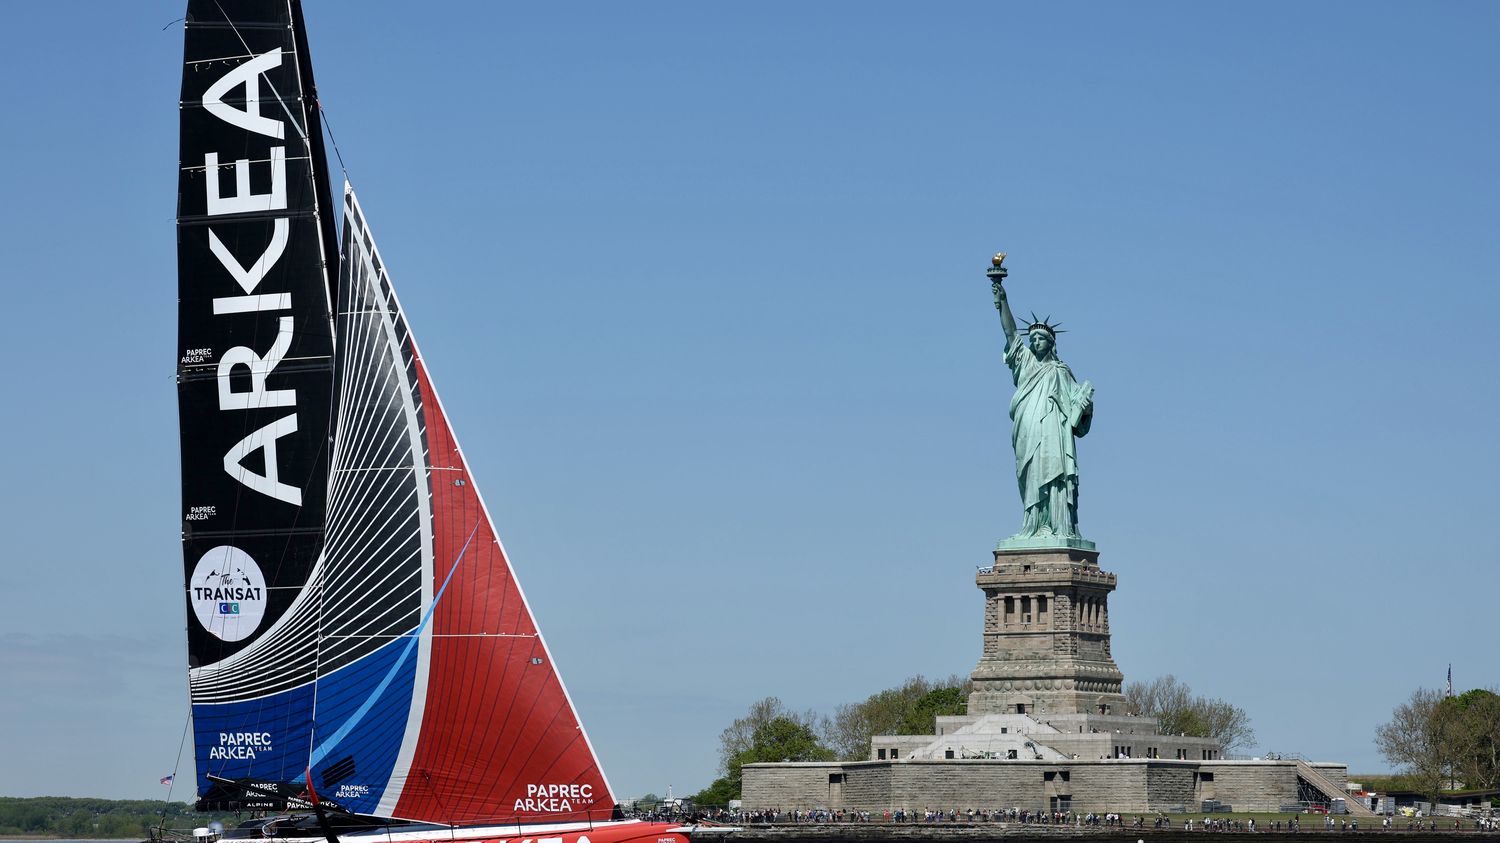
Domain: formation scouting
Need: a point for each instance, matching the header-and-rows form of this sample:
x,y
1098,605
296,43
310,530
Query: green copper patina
x,y
1047,412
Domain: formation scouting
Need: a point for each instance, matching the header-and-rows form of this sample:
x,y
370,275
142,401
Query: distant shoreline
x,y
52,839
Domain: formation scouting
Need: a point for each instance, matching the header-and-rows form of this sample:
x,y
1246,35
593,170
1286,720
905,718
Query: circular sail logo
x,y
228,593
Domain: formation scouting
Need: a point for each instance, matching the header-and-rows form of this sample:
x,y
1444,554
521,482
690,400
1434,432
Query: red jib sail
x,y
493,735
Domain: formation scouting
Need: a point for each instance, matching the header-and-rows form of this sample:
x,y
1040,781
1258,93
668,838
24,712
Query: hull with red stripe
x,y
625,831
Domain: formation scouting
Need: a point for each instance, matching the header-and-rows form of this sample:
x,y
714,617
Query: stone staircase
x,y
993,736
1331,789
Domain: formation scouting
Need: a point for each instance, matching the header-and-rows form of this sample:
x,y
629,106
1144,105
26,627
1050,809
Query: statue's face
x,y
1041,343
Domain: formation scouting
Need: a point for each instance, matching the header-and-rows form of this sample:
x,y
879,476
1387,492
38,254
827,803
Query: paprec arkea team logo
x,y
228,593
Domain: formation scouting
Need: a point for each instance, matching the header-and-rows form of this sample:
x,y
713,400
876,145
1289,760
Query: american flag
x,y
1450,679
168,779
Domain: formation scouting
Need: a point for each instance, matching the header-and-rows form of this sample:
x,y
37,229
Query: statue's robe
x,y
1048,409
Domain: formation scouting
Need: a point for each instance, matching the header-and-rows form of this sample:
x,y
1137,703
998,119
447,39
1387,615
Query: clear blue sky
x,y
702,285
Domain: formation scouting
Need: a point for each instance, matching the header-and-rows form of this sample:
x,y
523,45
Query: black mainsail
x,y
256,269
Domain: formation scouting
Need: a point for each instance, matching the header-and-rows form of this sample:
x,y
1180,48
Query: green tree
x,y
1472,728
907,709
59,816
1178,712
783,739
718,794
740,736
767,733
1414,741
78,824
939,702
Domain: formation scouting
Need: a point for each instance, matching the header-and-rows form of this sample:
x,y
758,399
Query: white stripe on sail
x,y
364,255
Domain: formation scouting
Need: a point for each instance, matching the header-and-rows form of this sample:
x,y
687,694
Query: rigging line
x,y
176,766
328,130
312,726
301,130
169,23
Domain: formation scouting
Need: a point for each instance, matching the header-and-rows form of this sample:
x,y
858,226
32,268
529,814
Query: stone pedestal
x,y
1046,636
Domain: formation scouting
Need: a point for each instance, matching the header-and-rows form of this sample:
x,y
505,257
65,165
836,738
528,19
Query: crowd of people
x,y
901,815
1058,818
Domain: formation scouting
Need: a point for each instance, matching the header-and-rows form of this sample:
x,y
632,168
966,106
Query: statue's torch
x,y
997,273
997,270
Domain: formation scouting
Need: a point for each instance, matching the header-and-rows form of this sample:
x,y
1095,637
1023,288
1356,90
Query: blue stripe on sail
x,y
345,696
265,739
403,664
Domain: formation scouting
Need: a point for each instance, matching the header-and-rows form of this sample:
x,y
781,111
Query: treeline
x,y
771,732
73,817
1442,742
1178,711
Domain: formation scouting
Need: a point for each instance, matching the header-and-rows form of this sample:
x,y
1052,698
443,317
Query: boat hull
x,y
625,831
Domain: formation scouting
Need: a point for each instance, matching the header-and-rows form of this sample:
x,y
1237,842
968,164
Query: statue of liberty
x,y
1048,410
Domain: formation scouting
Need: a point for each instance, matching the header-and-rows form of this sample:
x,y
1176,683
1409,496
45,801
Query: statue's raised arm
x,y
997,275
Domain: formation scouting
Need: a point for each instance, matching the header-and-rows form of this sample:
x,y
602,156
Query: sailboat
x,y
362,663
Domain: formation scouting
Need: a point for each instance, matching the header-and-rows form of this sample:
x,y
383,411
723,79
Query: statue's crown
x,y
1053,328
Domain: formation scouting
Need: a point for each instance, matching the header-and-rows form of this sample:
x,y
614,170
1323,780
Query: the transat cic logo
x,y
228,593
